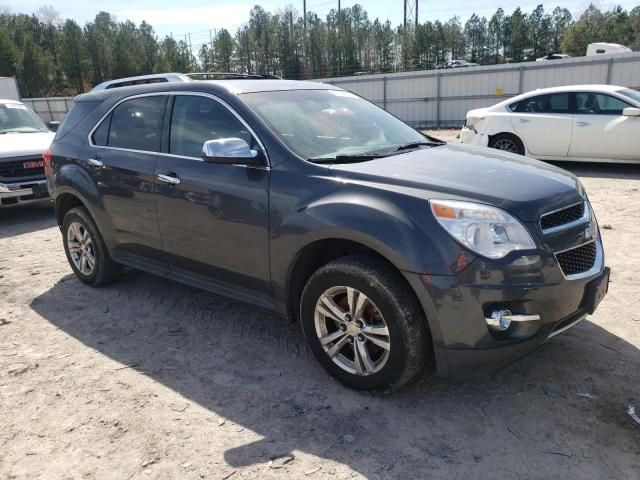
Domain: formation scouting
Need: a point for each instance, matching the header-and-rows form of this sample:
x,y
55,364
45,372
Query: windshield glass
x,y
16,118
325,124
633,94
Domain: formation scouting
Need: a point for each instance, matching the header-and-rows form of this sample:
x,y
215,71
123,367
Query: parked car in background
x,y
599,123
395,251
601,48
456,64
553,56
23,139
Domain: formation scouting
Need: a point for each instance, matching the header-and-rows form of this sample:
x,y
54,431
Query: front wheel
x,y
364,325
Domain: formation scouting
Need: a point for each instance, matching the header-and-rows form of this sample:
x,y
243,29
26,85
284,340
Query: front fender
x,y
397,226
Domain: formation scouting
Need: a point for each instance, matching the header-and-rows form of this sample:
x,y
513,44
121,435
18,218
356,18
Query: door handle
x,y
582,124
173,179
524,120
96,162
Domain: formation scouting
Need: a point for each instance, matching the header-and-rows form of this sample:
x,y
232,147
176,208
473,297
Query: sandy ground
x,y
151,379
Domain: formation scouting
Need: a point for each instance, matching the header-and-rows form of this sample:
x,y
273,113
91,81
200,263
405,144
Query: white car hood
x,y
24,144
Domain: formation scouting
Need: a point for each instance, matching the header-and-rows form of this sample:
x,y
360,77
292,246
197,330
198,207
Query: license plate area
x,y
596,290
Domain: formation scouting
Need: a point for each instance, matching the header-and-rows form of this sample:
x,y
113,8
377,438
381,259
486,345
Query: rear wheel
x,y
508,143
85,249
364,325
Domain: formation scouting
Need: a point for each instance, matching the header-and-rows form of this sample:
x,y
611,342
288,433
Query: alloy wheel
x,y
81,249
352,331
507,145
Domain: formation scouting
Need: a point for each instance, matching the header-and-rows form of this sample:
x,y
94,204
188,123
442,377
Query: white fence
x,y
50,108
441,98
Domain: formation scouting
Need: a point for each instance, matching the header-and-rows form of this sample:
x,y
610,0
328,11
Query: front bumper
x,y
457,308
23,192
471,137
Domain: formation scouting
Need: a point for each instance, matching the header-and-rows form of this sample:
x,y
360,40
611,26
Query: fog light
x,y
499,320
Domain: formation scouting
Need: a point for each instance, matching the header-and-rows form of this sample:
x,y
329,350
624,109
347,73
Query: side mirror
x,y
230,151
53,126
631,112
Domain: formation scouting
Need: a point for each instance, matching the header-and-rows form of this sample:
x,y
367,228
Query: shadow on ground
x,y
622,171
558,413
25,219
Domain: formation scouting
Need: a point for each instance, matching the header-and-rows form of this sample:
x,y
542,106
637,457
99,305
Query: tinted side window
x,y
599,104
101,133
136,124
552,103
197,119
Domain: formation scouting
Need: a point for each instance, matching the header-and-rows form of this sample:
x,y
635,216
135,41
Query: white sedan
x,y
591,123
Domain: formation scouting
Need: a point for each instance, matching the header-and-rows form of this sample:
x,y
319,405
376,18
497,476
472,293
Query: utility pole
x,y
410,13
304,10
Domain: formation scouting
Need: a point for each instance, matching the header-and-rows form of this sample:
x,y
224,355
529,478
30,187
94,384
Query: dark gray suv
x,y
396,252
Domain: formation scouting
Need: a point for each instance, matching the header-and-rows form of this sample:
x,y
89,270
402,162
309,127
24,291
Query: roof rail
x,y
230,76
179,77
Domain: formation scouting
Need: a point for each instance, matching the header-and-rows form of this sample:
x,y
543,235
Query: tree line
x,y
52,56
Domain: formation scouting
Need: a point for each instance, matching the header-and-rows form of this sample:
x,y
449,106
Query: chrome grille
x,y
563,217
578,260
15,168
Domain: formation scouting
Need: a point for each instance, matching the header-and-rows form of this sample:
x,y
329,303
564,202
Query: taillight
x,y
46,158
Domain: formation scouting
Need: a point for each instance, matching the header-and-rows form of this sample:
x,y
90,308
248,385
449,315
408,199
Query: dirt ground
x,y
151,379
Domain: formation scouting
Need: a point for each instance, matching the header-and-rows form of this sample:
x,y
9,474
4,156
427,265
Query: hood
x,y
523,186
24,144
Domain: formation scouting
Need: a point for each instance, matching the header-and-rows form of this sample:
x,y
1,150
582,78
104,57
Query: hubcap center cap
x,y
352,329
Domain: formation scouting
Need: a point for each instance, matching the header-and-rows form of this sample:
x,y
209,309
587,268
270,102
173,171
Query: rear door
x,y
601,131
544,122
121,158
213,218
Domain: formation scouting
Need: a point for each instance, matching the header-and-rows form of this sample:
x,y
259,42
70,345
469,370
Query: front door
x,y
601,131
121,158
213,218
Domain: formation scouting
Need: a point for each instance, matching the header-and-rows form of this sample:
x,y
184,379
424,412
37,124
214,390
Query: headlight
x,y
486,230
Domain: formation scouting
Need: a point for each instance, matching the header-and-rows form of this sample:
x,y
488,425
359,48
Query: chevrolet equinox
x,y
396,252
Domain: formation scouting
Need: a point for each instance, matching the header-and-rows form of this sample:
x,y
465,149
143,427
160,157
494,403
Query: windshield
x,y
632,94
16,118
326,124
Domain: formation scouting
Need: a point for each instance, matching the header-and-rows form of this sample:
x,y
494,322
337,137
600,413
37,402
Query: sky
x,y
197,17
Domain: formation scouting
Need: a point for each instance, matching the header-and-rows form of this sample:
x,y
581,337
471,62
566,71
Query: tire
x,y
508,143
81,237
389,303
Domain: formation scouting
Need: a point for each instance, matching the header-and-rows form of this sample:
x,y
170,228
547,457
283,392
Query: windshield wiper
x,y
412,145
19,131
350,158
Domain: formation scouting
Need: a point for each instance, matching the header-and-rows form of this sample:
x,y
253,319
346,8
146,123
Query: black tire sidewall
x,y
393,369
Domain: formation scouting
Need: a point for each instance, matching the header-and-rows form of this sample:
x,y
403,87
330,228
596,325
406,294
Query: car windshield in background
x,y
632,94
16,118
333,125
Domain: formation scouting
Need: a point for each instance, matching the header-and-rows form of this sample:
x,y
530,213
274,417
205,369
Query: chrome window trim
x,y
168,154
598,264
99,122
586,217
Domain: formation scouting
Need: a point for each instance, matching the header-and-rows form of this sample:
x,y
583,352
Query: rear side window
x,y
551,103
78,112
101,134
588,103
136,124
